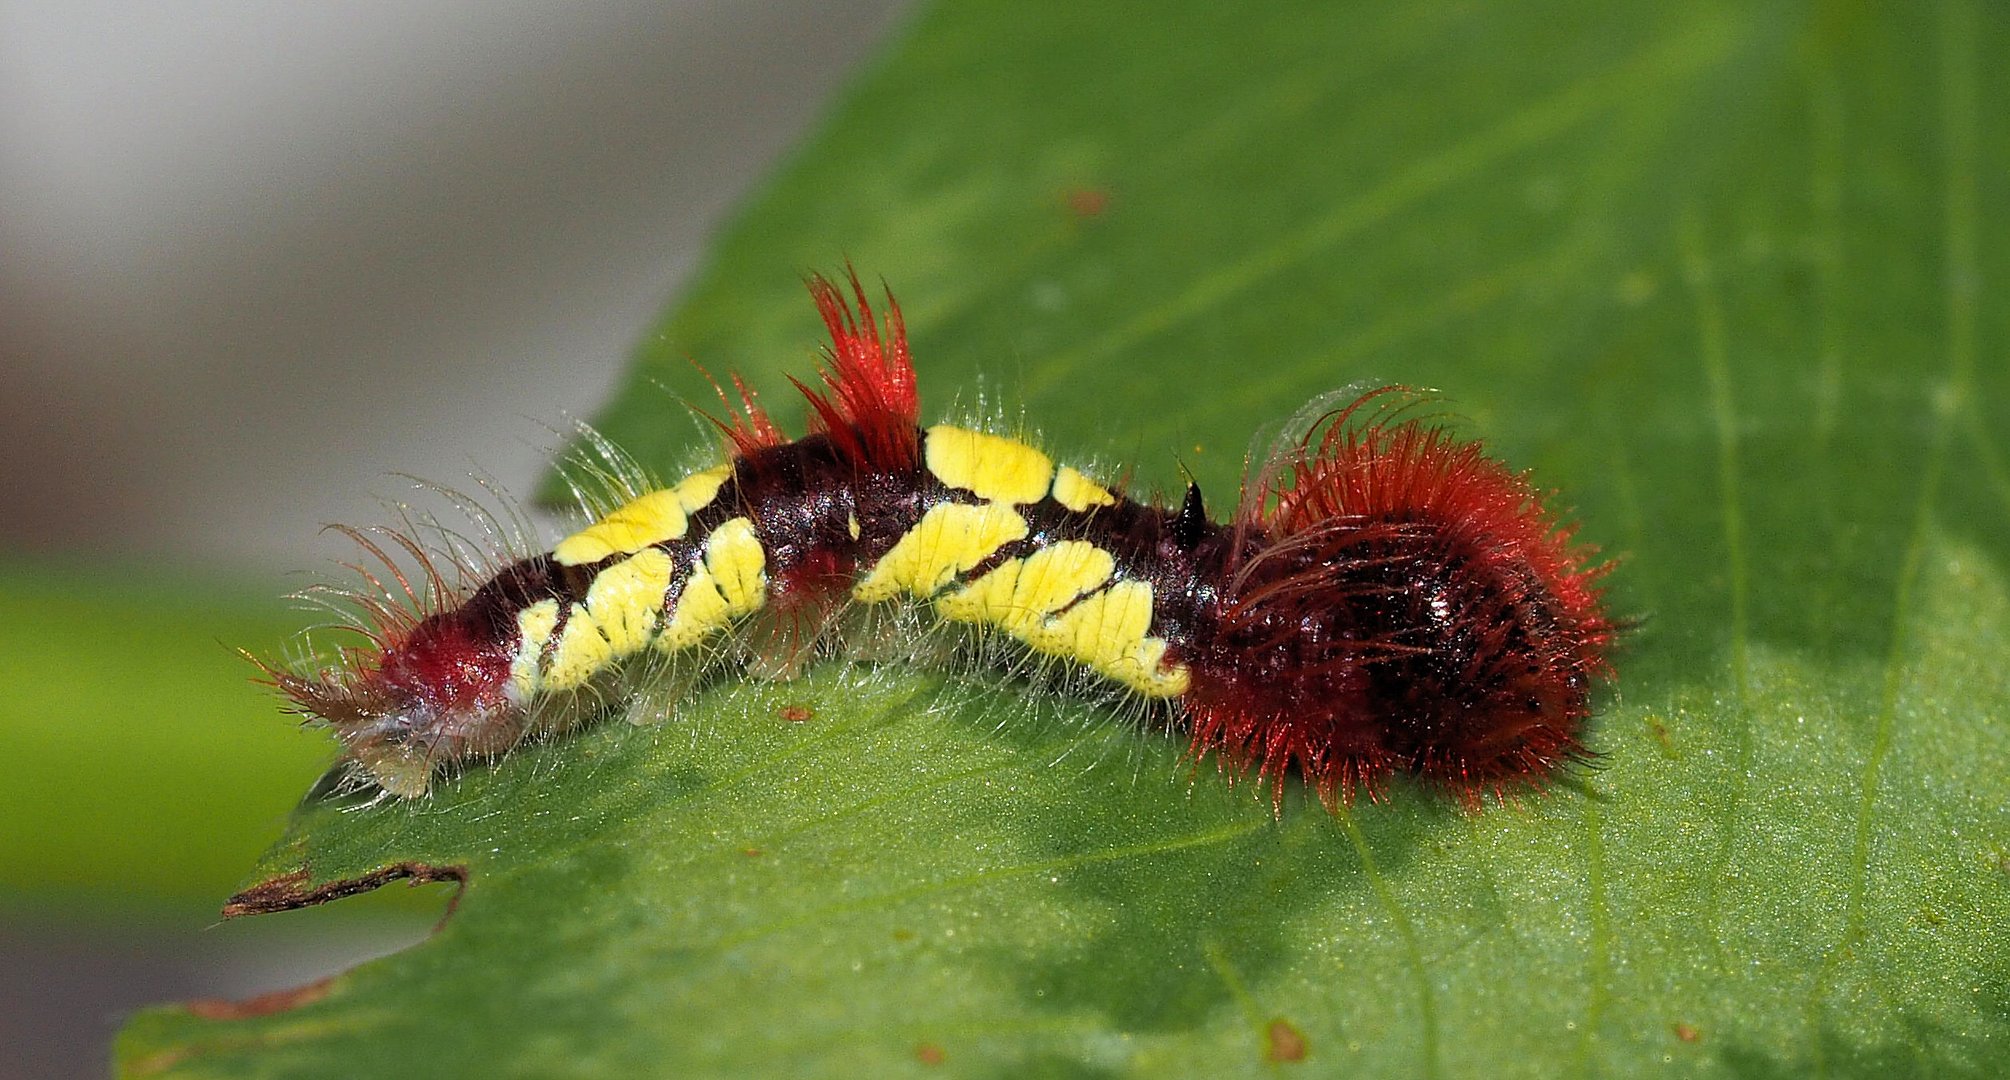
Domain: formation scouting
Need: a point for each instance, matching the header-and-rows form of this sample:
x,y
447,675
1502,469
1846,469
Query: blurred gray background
x,y
255,257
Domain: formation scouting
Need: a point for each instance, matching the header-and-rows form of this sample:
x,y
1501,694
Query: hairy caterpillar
x,y
1385,599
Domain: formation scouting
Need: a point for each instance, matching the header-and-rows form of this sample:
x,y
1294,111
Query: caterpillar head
x,y
426,695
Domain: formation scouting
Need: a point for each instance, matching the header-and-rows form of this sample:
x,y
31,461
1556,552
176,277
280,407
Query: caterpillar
x,y
1385,599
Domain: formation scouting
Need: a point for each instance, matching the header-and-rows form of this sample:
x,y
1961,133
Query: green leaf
x,y
1718,272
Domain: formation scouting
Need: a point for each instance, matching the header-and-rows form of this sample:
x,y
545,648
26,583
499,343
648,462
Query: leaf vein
x,y
1427,1008
1959,119
1714,355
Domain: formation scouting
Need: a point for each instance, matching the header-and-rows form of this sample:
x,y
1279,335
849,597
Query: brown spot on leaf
x,y
290,891
1661,736
1688,1033
751,853
1087,202
261,1005
929,1054
1282,1042
796,714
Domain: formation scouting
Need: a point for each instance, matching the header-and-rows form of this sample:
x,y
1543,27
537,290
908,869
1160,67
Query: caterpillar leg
x,y
400,770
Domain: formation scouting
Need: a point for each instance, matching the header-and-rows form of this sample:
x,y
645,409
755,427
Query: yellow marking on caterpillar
x,y
728,582
700,612
1106,631
696,491
1145,671
1078,492
648,519
949,540
736,560
997,469
533,626
627,599
582,651
1021,593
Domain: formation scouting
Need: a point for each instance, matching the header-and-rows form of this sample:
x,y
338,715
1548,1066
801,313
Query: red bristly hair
x,y
1469,630
870,407
748,427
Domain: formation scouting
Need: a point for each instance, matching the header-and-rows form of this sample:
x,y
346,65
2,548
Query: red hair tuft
x,y
870,407
1406,603
748,427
